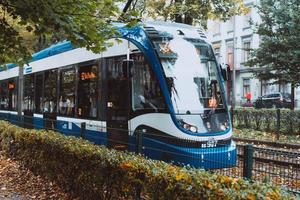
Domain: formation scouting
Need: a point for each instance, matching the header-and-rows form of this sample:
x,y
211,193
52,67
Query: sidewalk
x,y
17,183
6,196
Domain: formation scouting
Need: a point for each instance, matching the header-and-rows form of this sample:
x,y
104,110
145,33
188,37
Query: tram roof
x,y
50,51
151,27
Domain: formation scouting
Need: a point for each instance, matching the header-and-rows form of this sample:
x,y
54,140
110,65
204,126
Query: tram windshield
x,y
191,72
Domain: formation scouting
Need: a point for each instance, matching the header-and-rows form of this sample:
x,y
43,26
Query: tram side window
x,y
87,92
39,92
117,84
50,91
12,95
114,68
4,96
28,100
146,91
67,92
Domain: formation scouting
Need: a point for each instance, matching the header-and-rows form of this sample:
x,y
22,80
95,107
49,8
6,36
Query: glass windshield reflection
x,y
191,73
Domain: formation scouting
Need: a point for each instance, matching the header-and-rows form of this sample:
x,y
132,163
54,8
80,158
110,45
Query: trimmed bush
x,y
94,172
266,120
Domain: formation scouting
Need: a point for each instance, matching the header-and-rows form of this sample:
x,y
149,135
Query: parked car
x,y
274,100
247,105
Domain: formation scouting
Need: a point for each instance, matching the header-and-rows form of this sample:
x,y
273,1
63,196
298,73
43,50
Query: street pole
x,y
127,5
20,94
233,102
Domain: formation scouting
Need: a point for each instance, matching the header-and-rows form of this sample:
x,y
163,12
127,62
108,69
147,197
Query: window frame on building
x,y
246,20
230,54
246,86
246,49
217,50
216,28
230,25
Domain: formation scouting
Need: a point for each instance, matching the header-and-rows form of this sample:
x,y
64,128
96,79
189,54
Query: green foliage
x,y
94,172
278,55
264,135
266,120
190,11
84,23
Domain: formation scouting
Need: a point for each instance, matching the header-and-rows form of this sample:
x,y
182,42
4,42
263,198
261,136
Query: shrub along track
x,y
94,172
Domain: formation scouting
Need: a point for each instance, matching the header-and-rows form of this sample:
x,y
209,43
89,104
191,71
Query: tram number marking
x,y
210,143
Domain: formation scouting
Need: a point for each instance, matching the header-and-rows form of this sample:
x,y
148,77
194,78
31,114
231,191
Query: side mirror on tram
x,y
226,72
127,66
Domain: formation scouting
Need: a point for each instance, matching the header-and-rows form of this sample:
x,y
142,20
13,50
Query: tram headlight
x,y
193,129
223,126
208,126
189,127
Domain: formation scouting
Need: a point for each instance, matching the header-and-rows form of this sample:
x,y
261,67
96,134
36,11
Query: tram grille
x,y
200,31
152,32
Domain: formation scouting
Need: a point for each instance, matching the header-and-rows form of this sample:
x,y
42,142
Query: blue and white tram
x,y
159,85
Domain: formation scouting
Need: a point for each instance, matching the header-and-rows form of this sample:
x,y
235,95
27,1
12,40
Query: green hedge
x,y
94,172
266,120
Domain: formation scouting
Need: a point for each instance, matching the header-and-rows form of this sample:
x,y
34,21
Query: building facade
x,y
232,41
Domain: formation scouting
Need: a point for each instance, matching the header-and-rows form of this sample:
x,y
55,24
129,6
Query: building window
x,y
246,86
246,20
67,92
229,54
266,88
246,50
87,91
217,54
216,28
230,25
217,49
283,87
50,91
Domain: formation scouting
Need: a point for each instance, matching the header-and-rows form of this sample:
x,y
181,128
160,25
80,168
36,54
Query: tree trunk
x,y
293,96
188,20
126,7
178,17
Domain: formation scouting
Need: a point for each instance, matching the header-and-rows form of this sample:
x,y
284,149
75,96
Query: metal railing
x,y
281,167
280,121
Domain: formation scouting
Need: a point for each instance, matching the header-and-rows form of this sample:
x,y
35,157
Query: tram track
x,y
271,144
278,162
273,158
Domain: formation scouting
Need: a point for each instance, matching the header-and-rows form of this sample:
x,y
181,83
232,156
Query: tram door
x,y
118,104
28,101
